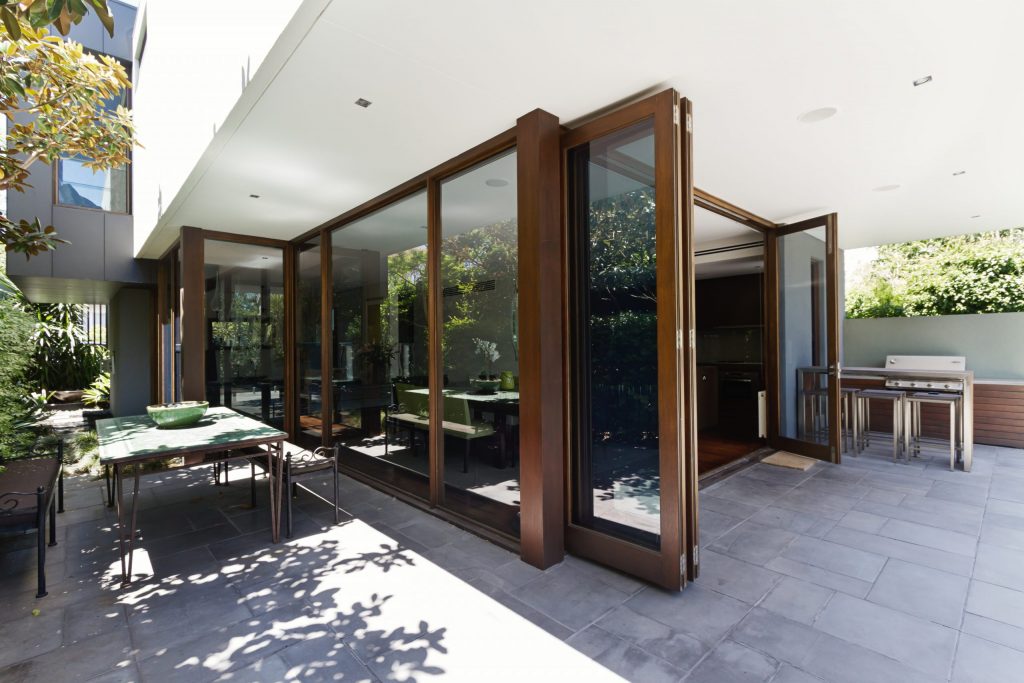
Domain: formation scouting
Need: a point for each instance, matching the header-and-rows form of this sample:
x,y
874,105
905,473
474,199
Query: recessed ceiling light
x,y
959,172
495,182
265,258
363,103
815,115
255,196
887,188
977,215
922,80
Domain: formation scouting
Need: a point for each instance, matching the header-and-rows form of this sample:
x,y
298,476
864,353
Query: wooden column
x,y
541,334
193,340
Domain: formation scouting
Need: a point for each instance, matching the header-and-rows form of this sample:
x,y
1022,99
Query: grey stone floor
x,y
869,571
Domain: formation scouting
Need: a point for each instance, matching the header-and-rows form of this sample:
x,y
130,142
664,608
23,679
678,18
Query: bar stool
x,y
897,398
815,400
912,420
849,397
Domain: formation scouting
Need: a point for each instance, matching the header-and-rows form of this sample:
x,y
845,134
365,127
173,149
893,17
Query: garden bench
x,y
29,488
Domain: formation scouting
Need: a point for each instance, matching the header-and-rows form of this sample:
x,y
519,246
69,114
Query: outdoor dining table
x,y
135,440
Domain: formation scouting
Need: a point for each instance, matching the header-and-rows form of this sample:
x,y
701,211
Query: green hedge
x,y
16,433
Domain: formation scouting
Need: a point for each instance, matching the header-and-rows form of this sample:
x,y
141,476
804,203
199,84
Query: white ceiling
x,y
443,78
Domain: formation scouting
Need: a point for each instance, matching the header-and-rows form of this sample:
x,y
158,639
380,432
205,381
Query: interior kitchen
x,y
729,296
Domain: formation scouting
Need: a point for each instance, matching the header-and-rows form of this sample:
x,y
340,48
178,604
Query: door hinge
x,y
696,555
675,114
689,123
679,340
693,338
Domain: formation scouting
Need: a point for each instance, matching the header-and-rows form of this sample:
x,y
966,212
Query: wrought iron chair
x,y
38,489
301,464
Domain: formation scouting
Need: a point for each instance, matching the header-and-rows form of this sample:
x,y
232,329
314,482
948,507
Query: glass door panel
x,y
244,309
806,341
624,213
619,489
480,345
379,354
308,295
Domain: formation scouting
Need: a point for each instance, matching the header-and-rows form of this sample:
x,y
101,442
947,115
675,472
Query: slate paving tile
x,y
884,496
980,661
797,521
862,521
714,524
1001,566
679,649
776,636
750,492
917,643
791,674
839,661
698,612
78,662
1007,489
827,505
994,631
1007,537
921,591
996,602
837,558
950,521
735,578
623,657
819,576
959,492
731,662
753,542
30,636
903,550
570,598
797,599
710,501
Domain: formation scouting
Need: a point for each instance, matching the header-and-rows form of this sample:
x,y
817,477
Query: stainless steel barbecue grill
x,y
946,375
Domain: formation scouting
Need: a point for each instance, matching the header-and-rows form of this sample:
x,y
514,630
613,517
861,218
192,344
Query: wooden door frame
x,y
830,452
666,566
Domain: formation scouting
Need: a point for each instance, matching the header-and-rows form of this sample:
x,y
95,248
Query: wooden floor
x,y
715,450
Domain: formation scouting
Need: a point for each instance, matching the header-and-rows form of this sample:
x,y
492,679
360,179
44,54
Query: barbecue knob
x,y
930,385
947,386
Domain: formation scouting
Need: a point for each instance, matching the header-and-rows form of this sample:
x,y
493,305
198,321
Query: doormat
x,y
791,460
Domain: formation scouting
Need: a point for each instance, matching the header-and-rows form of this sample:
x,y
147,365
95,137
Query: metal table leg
x,y
125,538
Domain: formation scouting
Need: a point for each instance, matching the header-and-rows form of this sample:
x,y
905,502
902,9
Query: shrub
x,y
16,416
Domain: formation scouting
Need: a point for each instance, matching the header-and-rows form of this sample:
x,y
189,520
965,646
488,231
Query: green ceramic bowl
x,y
177,414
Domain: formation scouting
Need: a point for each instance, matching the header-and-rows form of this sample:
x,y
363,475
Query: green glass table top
x,y
137,436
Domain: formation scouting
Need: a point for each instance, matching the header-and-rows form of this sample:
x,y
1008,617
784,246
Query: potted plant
x,y
487,382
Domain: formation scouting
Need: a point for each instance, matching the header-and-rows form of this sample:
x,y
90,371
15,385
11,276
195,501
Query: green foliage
x,y
16,416
982,273
56,97
98,393
61,357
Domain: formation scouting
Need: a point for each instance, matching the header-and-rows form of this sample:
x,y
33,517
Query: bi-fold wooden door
x,y
631,498
802,268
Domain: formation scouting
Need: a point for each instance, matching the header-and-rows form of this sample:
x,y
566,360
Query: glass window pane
x,y
307,342
379,344
245,329
479,268
81,186
803,336
615,458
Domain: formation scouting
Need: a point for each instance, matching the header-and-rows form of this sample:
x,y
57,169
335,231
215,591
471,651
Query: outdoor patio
x,y
869,571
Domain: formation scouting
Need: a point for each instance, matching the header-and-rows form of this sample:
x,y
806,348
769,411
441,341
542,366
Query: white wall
x,y
198,59
993,343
